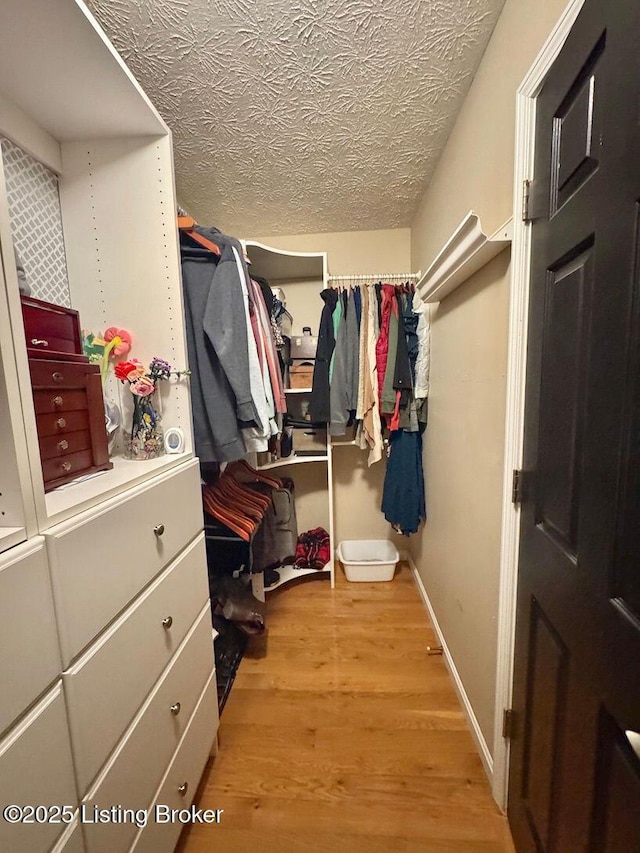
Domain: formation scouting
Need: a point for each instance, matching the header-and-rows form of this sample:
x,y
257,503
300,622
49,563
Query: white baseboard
x,y
481,743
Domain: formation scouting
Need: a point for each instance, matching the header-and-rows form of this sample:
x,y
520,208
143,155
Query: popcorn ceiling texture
x,y
302,116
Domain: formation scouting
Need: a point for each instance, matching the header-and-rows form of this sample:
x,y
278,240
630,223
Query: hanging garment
x,y
353,353
386,292
371,423
337,320
388,399
320,402
220,383
344,384
363,360
266,330
403,498
255,436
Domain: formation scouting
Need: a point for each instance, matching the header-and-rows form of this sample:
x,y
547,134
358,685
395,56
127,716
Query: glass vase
x,y
143,436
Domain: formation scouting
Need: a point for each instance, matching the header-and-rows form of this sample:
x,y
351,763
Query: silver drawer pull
x,y
57,401
61,423
167,622
158,529
37,342
57,377
66,467
182,789
175,709
63,445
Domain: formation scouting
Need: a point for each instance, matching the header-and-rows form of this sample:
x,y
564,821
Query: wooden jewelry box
x,y
67,395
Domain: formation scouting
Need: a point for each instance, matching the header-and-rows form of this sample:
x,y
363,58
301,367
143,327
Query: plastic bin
x,y
367,560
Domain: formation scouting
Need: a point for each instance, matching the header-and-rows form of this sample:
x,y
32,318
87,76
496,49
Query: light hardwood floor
x,y
346,737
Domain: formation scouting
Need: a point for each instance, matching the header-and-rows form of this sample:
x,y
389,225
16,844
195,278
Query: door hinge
x,y
526,195
516,487
508,721
533,204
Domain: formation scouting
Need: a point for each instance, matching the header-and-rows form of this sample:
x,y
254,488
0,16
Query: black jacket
x,y
320,402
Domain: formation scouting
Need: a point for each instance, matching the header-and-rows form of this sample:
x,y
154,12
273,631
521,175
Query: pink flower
x,y
121,340
137,371
142,387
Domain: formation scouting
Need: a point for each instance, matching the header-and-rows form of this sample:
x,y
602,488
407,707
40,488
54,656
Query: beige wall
x,y
458,552
358,488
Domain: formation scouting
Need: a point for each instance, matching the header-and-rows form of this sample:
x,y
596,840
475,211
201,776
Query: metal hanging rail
x,y
396,276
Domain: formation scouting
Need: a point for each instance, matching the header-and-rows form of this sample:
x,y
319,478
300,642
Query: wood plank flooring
x,y
345,736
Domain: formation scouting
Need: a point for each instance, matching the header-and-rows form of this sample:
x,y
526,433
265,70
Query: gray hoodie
x,y
218,349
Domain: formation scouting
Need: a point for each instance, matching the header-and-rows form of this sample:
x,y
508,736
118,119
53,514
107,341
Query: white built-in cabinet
x,y
107,680
301,275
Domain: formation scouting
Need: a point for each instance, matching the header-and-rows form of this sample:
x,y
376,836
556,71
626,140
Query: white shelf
x,y
465,252
297,390
79,495
291,460
103,101
290,573
10,536
279,265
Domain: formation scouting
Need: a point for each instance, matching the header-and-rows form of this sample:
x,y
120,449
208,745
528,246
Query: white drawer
x,y
186,768
101,559
71,841
36,770
134,772
108,684
30,659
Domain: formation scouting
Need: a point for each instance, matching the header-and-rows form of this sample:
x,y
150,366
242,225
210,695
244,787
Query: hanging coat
x,y
320,402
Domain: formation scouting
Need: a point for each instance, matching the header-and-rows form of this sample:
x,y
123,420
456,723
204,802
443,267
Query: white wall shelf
x,y
465,252
301,275
290,573
292,460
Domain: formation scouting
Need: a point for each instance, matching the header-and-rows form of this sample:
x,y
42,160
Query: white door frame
x,y
514,424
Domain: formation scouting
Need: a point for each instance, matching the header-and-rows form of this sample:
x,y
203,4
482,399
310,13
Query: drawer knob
x,y
38,342
158,529
63,445
66,467
61,423
167,622
57,377
175,709
182,789
57,401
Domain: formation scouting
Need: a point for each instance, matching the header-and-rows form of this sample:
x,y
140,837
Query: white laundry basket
x,y
367,560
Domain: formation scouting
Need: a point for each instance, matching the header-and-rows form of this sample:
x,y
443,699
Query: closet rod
x,y
396,276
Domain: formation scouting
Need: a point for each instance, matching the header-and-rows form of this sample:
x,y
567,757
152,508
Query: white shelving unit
x,y
301,276
103,582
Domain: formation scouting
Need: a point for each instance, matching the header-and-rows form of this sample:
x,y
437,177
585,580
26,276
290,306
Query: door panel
x,y
576,132
574,781
564,349
616,824
546,688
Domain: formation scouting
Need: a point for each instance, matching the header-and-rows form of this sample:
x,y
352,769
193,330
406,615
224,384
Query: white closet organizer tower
x,y
301,276
106,658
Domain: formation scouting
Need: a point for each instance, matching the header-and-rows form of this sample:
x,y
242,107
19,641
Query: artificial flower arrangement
x,y
145,441
101,349
114,343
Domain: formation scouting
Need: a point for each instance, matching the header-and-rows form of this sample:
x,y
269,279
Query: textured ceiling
x,y
299,116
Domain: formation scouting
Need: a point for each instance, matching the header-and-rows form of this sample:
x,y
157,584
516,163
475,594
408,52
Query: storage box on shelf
x,y
301,277
121,586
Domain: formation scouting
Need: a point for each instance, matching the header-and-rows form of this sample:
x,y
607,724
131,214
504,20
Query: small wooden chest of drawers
x,y
51,331
69,418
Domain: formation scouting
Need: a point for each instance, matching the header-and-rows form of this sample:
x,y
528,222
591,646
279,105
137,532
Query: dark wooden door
x,y
574,784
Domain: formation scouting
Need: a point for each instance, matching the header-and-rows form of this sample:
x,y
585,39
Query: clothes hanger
x,y
187,224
